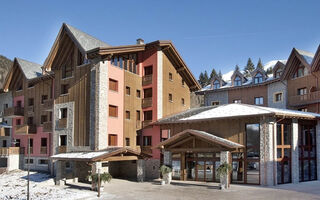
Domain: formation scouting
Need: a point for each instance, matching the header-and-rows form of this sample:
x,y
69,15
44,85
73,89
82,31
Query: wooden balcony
x,y
146,123
25,129
47,105
299,100
4,132
6,151
13,112
146,150
62,149
43,150
62,123
47,127
147,80
30,109
147,102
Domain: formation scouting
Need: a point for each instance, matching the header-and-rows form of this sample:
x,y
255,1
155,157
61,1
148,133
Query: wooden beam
x,y
176,150
181,142
120,158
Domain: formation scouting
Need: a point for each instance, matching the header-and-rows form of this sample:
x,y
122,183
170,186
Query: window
x,y
44,98
127,141
113,85
63,140
63,113
258,100
113,111
7,131
302,91
183,83
50,116
303,109
237,101
278,97
148,70
18,121
30,102
138,140
4,143
43,142
138,94
253,153
17,142
278,73
5,106
68,165
43,162
215,103
127,114
67,70
147,115
170,77
64,88
138,117
147,140
44,118
30,120
216,84
237,81
27,160
182,101
112,140
299,72
170,98
19,104
147,93
127,90
258,78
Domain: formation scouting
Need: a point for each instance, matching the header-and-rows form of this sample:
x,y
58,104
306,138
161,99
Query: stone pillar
x,y
60,169
225,179
141,170
295,152
267,156
167,158
94,170
318,148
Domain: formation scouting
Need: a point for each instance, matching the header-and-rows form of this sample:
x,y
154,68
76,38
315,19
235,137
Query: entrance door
x,y
191,170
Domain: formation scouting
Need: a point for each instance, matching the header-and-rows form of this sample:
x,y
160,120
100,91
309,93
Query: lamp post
x,y
28,184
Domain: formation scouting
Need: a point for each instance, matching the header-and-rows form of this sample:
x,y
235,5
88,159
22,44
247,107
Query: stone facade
x,y
35,165
274,88
295,152
224,179
221,97
152,168
5,99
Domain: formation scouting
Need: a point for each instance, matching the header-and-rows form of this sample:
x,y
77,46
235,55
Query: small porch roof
x,y
108,154
201,134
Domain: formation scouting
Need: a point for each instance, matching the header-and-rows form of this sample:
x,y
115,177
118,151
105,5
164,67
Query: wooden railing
x,y
147,102
146,150
13,111
4,132
146,123
48,104
32,129
25,129
62,123
43,150
297,100
62,149
147,80
47,127
6,151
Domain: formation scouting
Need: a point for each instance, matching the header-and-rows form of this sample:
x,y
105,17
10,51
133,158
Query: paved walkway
x,y
124,190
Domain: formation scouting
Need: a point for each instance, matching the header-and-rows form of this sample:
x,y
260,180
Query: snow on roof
x,y
272,63
84,155
236,110
308,56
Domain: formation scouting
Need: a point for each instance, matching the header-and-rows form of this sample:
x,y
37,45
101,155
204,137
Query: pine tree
x,y
201,79
248,68
237,68
213,74
260,65
206,78
269,70
220,74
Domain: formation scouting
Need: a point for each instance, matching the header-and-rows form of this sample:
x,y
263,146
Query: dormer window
x,y
299,72
278,73
237,81
216,84
258,78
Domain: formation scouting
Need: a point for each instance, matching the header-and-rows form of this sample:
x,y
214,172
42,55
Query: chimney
x,y
140,41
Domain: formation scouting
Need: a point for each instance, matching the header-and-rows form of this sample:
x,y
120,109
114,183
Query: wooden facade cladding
x,y
176,88
78,90
247,95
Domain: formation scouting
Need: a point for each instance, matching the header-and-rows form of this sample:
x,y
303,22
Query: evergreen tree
x,y
237,68
248,68
206,78
220,74
213,73
201,79
260,65
269,70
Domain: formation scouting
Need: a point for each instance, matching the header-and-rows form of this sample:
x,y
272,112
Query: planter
x,y
167,178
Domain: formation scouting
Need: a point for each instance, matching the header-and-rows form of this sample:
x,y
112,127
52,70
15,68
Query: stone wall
x,y
221,96
277,87
196,100
152,167
35,165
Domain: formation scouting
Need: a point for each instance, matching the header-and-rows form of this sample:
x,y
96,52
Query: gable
x,y
316,61
14,77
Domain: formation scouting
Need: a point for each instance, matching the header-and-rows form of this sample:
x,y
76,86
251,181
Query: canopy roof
x,y
200,134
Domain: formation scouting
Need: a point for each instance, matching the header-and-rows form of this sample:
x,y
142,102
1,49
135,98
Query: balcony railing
x,y
4,132
298,100
43,150
147,102
146,150
62,149
13,112
25,129
6,151
62,123
48,104
147,80
47,127
146,123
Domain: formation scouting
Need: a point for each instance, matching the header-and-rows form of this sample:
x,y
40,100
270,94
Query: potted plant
x,y
166,173
223,171
104,177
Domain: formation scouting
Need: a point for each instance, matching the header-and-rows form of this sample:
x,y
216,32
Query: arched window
x,y
258,78
237,81
216,84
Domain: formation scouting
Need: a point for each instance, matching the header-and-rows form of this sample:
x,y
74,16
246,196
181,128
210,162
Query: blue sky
x,y
207,34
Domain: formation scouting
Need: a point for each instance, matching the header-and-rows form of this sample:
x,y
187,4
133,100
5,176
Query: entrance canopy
x,y
108,154
195,140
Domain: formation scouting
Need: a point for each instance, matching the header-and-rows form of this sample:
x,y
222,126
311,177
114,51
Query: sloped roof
x,y
202,134
236,110
86,41
30,69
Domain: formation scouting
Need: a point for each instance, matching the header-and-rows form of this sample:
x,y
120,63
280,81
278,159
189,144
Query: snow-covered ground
x,y
13,185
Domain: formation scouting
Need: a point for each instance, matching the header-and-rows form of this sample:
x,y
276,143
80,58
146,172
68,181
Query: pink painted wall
x,y
36,137
155,133
116,124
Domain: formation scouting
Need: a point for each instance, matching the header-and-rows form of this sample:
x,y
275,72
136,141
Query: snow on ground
x,y
13,185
